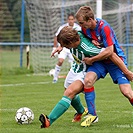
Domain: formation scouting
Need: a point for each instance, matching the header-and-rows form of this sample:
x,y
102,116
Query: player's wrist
x,y
54,48
126,72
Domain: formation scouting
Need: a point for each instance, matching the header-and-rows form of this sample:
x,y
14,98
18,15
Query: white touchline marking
x,y
21,84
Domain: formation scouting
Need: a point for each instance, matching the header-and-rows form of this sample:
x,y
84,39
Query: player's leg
x,y
57,69
90,101
61,57
72,92
90,92
80,109
76,103
57,111
119,78
63,104
127,92
94,72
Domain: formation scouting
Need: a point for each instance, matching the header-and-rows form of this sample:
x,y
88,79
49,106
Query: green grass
x,y
19,88
39,94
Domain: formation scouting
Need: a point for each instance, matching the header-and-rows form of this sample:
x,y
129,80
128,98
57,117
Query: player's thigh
x,y
74,88
99,69
72,76
69,79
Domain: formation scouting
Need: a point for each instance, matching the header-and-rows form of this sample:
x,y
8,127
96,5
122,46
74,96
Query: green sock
x,y
77,105
59,109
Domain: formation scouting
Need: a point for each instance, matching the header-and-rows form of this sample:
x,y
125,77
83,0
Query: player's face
x,y
85,24
73,45
71,20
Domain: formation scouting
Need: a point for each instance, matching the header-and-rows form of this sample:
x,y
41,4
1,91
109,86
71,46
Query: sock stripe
x,y
89,89
66,100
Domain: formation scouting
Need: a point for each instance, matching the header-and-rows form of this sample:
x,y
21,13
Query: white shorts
x,y
66,53
72,76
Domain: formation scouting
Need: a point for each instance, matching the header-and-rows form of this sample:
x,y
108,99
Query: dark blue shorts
x,y
101,69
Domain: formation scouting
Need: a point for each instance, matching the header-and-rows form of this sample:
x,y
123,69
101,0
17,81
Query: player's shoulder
x,y
81,34
76,24
77,27
63,25
102,23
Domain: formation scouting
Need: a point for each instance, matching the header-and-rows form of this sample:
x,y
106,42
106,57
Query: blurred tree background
x,y
10,22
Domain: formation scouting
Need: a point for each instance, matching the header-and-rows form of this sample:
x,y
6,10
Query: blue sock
x,y
90,101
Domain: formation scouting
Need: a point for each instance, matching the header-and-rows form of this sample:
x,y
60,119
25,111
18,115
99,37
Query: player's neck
x,y
71,25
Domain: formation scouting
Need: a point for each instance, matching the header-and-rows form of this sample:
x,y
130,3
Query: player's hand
x,y
56,51
96,43
55,54
129,75
88,61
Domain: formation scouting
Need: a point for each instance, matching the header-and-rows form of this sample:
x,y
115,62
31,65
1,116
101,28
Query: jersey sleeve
x,y
93,51
58,31
88,47
77,27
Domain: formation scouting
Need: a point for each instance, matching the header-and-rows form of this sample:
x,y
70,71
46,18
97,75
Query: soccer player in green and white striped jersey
x,y
80,47
84,49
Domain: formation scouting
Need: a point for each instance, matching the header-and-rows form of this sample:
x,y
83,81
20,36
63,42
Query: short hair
x,y
67,36
85,12
70,14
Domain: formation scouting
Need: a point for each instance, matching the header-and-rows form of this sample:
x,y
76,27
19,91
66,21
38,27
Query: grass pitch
x,y
20,88
39,94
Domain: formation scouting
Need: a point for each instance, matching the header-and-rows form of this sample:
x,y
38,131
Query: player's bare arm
x,y
55,46
55,41
57,50
108,51
114,58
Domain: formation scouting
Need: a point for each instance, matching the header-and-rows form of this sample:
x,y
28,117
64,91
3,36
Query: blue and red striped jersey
x,y
104,34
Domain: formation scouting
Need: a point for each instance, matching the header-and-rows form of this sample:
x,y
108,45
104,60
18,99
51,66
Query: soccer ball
x,y
52,72
24,115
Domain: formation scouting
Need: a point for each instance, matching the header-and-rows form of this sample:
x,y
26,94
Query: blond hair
x,y
85,12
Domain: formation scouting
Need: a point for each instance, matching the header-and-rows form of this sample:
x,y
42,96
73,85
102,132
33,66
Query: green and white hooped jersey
x,y
84,49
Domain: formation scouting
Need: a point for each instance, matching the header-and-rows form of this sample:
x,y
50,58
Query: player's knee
x,y
60,62
88,82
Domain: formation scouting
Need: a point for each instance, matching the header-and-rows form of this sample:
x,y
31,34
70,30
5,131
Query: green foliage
x,y
11,22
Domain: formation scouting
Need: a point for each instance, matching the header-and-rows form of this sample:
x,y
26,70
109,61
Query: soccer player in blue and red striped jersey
x,y
99,30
